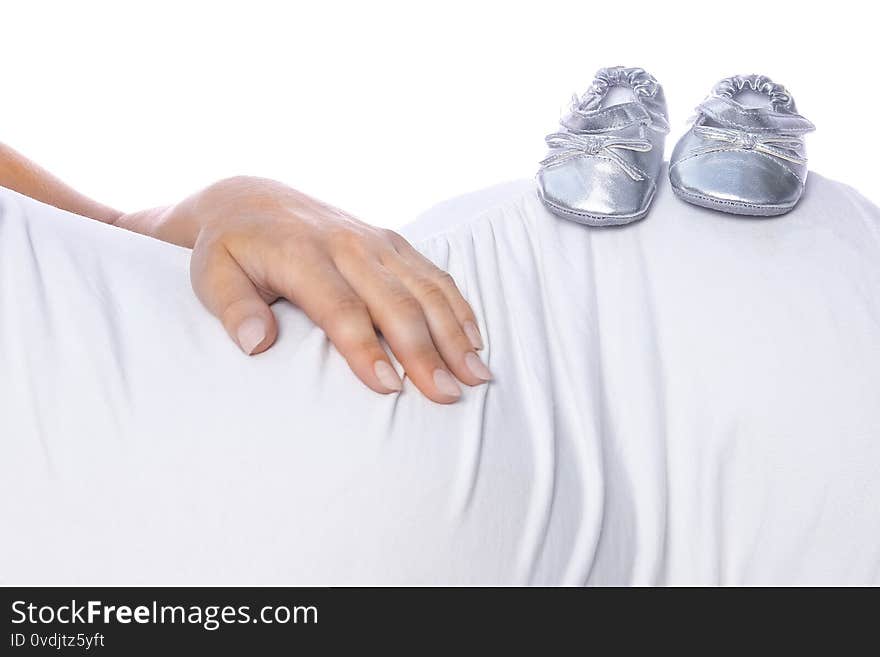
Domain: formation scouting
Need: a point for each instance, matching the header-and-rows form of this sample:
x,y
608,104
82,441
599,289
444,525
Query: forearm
x,y
25,177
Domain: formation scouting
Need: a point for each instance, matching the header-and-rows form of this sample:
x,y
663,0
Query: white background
x,y
385,108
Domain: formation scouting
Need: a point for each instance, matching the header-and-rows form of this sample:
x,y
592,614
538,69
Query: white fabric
x,y
692,399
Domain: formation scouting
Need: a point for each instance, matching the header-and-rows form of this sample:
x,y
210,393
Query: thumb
x,y
229,294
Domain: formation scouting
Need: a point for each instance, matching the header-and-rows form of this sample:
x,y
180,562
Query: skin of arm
x,y
25,177
257,240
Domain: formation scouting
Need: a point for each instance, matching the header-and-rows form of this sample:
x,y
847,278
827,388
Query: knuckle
x,y
431,293
423,352
452,340
359,345
351,243
348,307
406,305
349,334
343,312
395,238
444,279
236,181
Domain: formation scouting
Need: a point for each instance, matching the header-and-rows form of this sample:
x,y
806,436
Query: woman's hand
x,y
256,240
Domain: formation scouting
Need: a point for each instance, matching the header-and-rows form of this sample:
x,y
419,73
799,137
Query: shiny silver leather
x,y
742,159
603,163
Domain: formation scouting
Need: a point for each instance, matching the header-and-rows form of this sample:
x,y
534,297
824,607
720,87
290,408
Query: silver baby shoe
x,y
603,163
745,152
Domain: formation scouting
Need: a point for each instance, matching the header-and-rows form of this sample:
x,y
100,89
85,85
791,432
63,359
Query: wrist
x,y
177,224
159,223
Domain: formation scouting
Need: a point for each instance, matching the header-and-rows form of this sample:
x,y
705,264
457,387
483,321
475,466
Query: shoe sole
x,y
732,207
597,220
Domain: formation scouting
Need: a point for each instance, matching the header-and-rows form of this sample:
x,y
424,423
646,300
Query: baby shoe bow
x,y
785,147
566,145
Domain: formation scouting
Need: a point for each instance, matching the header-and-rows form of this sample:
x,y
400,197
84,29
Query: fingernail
x,y
387,376
477,367
446,384
251,332
473,334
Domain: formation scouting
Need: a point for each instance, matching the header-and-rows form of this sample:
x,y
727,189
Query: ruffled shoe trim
x,y
781,116
780,99
648,93
640,81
